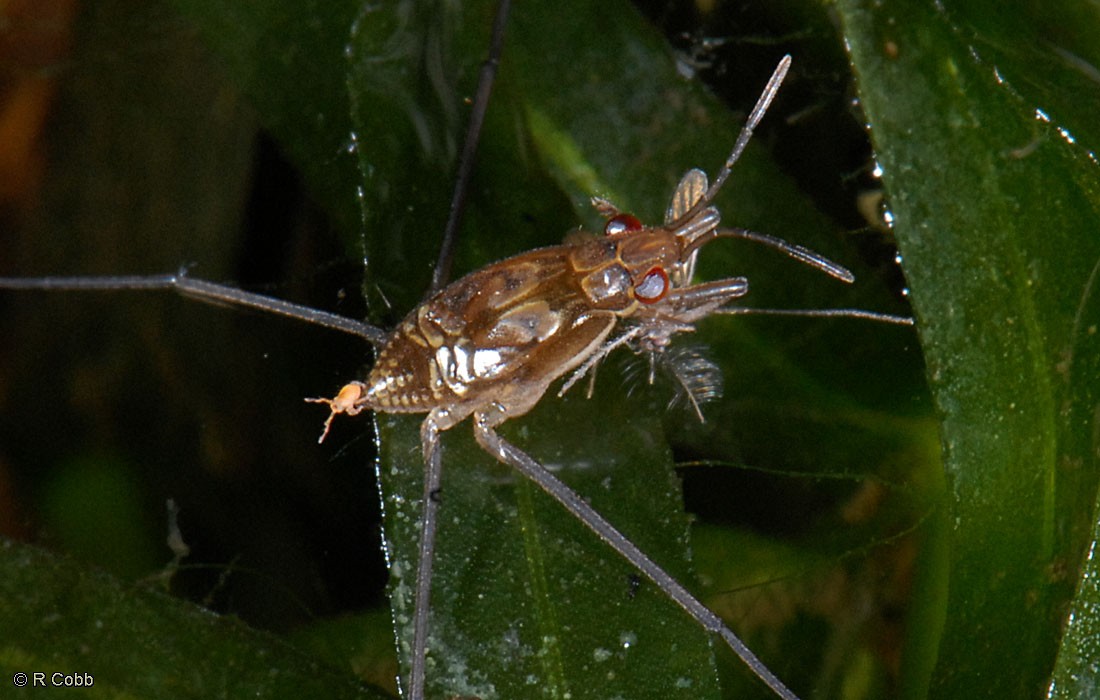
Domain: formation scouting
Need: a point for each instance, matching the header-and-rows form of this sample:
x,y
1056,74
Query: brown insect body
x,y
498,337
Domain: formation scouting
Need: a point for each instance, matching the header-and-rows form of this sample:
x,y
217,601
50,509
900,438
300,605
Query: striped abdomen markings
x,y
470,335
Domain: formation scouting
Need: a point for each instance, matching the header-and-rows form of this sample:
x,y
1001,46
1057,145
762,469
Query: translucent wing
x,y
693,185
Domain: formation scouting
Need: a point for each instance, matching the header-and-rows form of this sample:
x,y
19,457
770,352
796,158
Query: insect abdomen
x,y
406,377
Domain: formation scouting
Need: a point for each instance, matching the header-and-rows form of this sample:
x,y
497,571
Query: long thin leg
x,y
429,430
485,79
204,291
433,471
512,455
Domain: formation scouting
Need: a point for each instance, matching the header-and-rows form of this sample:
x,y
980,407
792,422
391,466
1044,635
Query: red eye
x,y
653,287
621,223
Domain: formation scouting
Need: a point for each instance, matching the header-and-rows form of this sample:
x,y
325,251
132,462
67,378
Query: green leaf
x,y
77,622
525,595
982,124
1076,671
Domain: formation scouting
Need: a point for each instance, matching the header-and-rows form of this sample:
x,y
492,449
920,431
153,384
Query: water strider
x,y
547,314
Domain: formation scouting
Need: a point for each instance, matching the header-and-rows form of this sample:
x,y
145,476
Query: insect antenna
x,y
803,255
799,253
808,257
762,104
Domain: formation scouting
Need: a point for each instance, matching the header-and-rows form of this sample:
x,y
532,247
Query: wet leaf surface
x,y
990,168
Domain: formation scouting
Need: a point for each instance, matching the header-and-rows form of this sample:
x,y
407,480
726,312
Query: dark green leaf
x,y
984,123
132,642
1077,671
